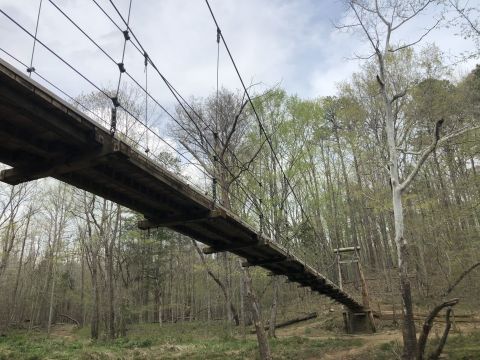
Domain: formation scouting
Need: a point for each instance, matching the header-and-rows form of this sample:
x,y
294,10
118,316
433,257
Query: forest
x,y
390,163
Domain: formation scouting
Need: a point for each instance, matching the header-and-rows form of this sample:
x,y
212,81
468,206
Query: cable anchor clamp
x,y
121,67
113,121
126,35
219,34
145,55
115,102
260,216
30,69
214,190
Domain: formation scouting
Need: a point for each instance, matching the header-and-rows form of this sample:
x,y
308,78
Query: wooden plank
x,y
23,141
352,261
346,249
274,260
61,166
216,249
169,221
47,116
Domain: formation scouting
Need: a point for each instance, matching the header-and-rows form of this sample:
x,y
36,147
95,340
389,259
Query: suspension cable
x,y
55,54
31,69
147,150
148,60
175,92
259,120
121,68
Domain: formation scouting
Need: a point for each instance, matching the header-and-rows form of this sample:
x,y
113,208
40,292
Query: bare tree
x,y
469,20
10,215
378,21
213,133
58,209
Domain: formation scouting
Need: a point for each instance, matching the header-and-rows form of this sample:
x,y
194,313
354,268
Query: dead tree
x,y
427,326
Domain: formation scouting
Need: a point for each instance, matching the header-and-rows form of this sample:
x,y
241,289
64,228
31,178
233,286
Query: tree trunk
x,y
231,307
409,331
95,300
273,310
427,326
52,298
263,345
20,264
438,351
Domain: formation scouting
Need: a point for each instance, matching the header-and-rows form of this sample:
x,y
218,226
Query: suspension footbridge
x,y
43,135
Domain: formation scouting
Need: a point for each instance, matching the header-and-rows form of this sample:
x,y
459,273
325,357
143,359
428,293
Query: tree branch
x,y
436,142
375,46
423,157
398,96
457,133
377,9
418,40
427,326
234,127
465,16
460,278
436,354
414,13
200,161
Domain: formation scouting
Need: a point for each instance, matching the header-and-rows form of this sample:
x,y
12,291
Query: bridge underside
x,y
43,136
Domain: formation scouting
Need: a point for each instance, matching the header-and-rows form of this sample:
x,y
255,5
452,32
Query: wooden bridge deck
x,y
41,135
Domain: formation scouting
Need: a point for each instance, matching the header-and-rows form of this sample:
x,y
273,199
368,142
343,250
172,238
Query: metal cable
x,y
104,93
30,69
258,118
174,92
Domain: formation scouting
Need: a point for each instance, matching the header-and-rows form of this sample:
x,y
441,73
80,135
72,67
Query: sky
x,y
293,44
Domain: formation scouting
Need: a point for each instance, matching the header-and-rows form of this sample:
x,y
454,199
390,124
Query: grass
x,y
462,347
151,341
458,347
197,341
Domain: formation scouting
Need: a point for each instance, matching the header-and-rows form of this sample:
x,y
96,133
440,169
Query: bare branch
x,y
360,57
193,153
418,40
460,278
457,133
436,142
415,12
462,13
398,96
409,152
374,45
448,324
424,156
427,325
377,10
233,128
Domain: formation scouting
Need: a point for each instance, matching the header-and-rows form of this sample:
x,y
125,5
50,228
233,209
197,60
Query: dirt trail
x,y
64,331
313,330
370,342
